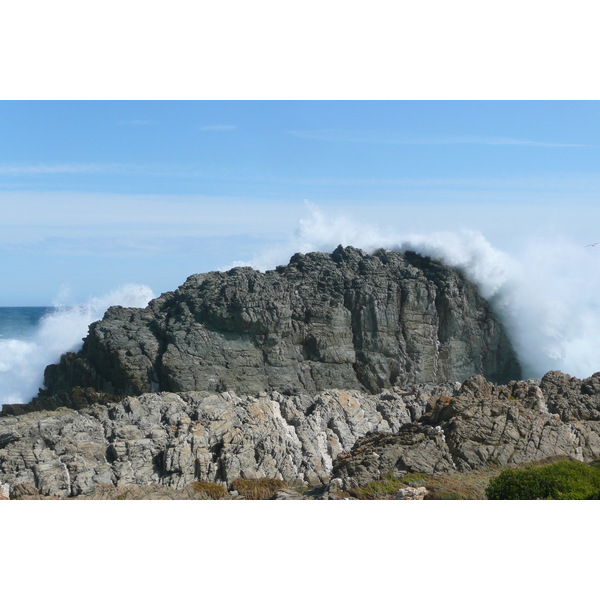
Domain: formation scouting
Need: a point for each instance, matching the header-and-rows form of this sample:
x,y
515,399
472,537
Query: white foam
x,y
22,363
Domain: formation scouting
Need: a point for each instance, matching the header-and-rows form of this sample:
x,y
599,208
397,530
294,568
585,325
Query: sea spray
x,y
22,362
546,291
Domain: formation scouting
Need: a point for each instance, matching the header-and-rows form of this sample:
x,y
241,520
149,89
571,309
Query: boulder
x,y
411,493
345,320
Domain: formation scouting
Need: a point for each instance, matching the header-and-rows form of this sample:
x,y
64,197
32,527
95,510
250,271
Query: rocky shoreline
x,y
328,375
331,442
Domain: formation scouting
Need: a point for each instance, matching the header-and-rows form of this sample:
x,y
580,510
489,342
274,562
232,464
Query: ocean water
x,y
33,337
21,322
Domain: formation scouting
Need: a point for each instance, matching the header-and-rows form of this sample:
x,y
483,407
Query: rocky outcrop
x,y
346,320
144,444
174,439
484,424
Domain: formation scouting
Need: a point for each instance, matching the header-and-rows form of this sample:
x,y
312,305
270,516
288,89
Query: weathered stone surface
x,y
23,490
288,495
411,493
415,448
346,320
484,424
173,439
571,398
155,445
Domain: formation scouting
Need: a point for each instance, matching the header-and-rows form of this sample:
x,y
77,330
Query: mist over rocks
x,y
346,320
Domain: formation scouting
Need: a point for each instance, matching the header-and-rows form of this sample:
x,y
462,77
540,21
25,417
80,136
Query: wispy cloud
x,y
217,128
380,137
91,168
45,169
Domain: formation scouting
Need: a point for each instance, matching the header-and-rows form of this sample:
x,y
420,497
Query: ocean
x,y
33,337
20,322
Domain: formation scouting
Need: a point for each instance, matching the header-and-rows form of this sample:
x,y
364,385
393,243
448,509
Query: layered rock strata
x,y
174,439
347,438
485,425
346,320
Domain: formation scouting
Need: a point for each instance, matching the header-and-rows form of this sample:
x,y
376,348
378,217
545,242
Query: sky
x,y
97,194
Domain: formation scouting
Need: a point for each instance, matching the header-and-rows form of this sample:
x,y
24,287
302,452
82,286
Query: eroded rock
x,y
345,320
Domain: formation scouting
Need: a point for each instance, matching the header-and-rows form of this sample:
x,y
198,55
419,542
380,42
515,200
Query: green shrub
x,y
565,480
213,490
258,489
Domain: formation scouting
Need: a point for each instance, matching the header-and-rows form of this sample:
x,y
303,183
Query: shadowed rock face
x,y
342,320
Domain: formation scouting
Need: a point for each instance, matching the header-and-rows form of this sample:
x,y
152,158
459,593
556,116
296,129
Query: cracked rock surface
x,y
347,437
484,424
345,320
173,439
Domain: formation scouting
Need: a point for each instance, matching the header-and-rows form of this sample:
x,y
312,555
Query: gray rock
x,y
482,425
288,495
155,445
346,320
174,439
415,448
411,493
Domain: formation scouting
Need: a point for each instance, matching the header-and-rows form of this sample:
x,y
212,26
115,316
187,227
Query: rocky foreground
x,y
331,442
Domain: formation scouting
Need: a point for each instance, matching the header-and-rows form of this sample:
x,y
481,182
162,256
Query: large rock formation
x,y
343,320
175,439
347,438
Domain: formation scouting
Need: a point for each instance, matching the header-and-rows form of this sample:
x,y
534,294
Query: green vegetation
x,y
452,486
377,490
565,480
258,489
213,490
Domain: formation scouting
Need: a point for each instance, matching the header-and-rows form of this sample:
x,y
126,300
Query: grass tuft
x,y
258,489
382,489
213,490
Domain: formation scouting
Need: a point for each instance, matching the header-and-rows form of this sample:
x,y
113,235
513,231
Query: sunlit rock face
x,y
348,320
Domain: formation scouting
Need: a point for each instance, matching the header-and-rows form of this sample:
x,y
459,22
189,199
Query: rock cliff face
x,y
345,320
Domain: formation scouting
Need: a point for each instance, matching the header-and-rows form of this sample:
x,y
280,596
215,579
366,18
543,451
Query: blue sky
x,y
97,194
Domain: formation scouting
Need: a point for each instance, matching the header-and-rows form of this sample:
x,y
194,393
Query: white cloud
x,y
45,169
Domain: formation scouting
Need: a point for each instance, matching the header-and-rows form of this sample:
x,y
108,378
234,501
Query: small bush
x,y
213,490
566,480
258,489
